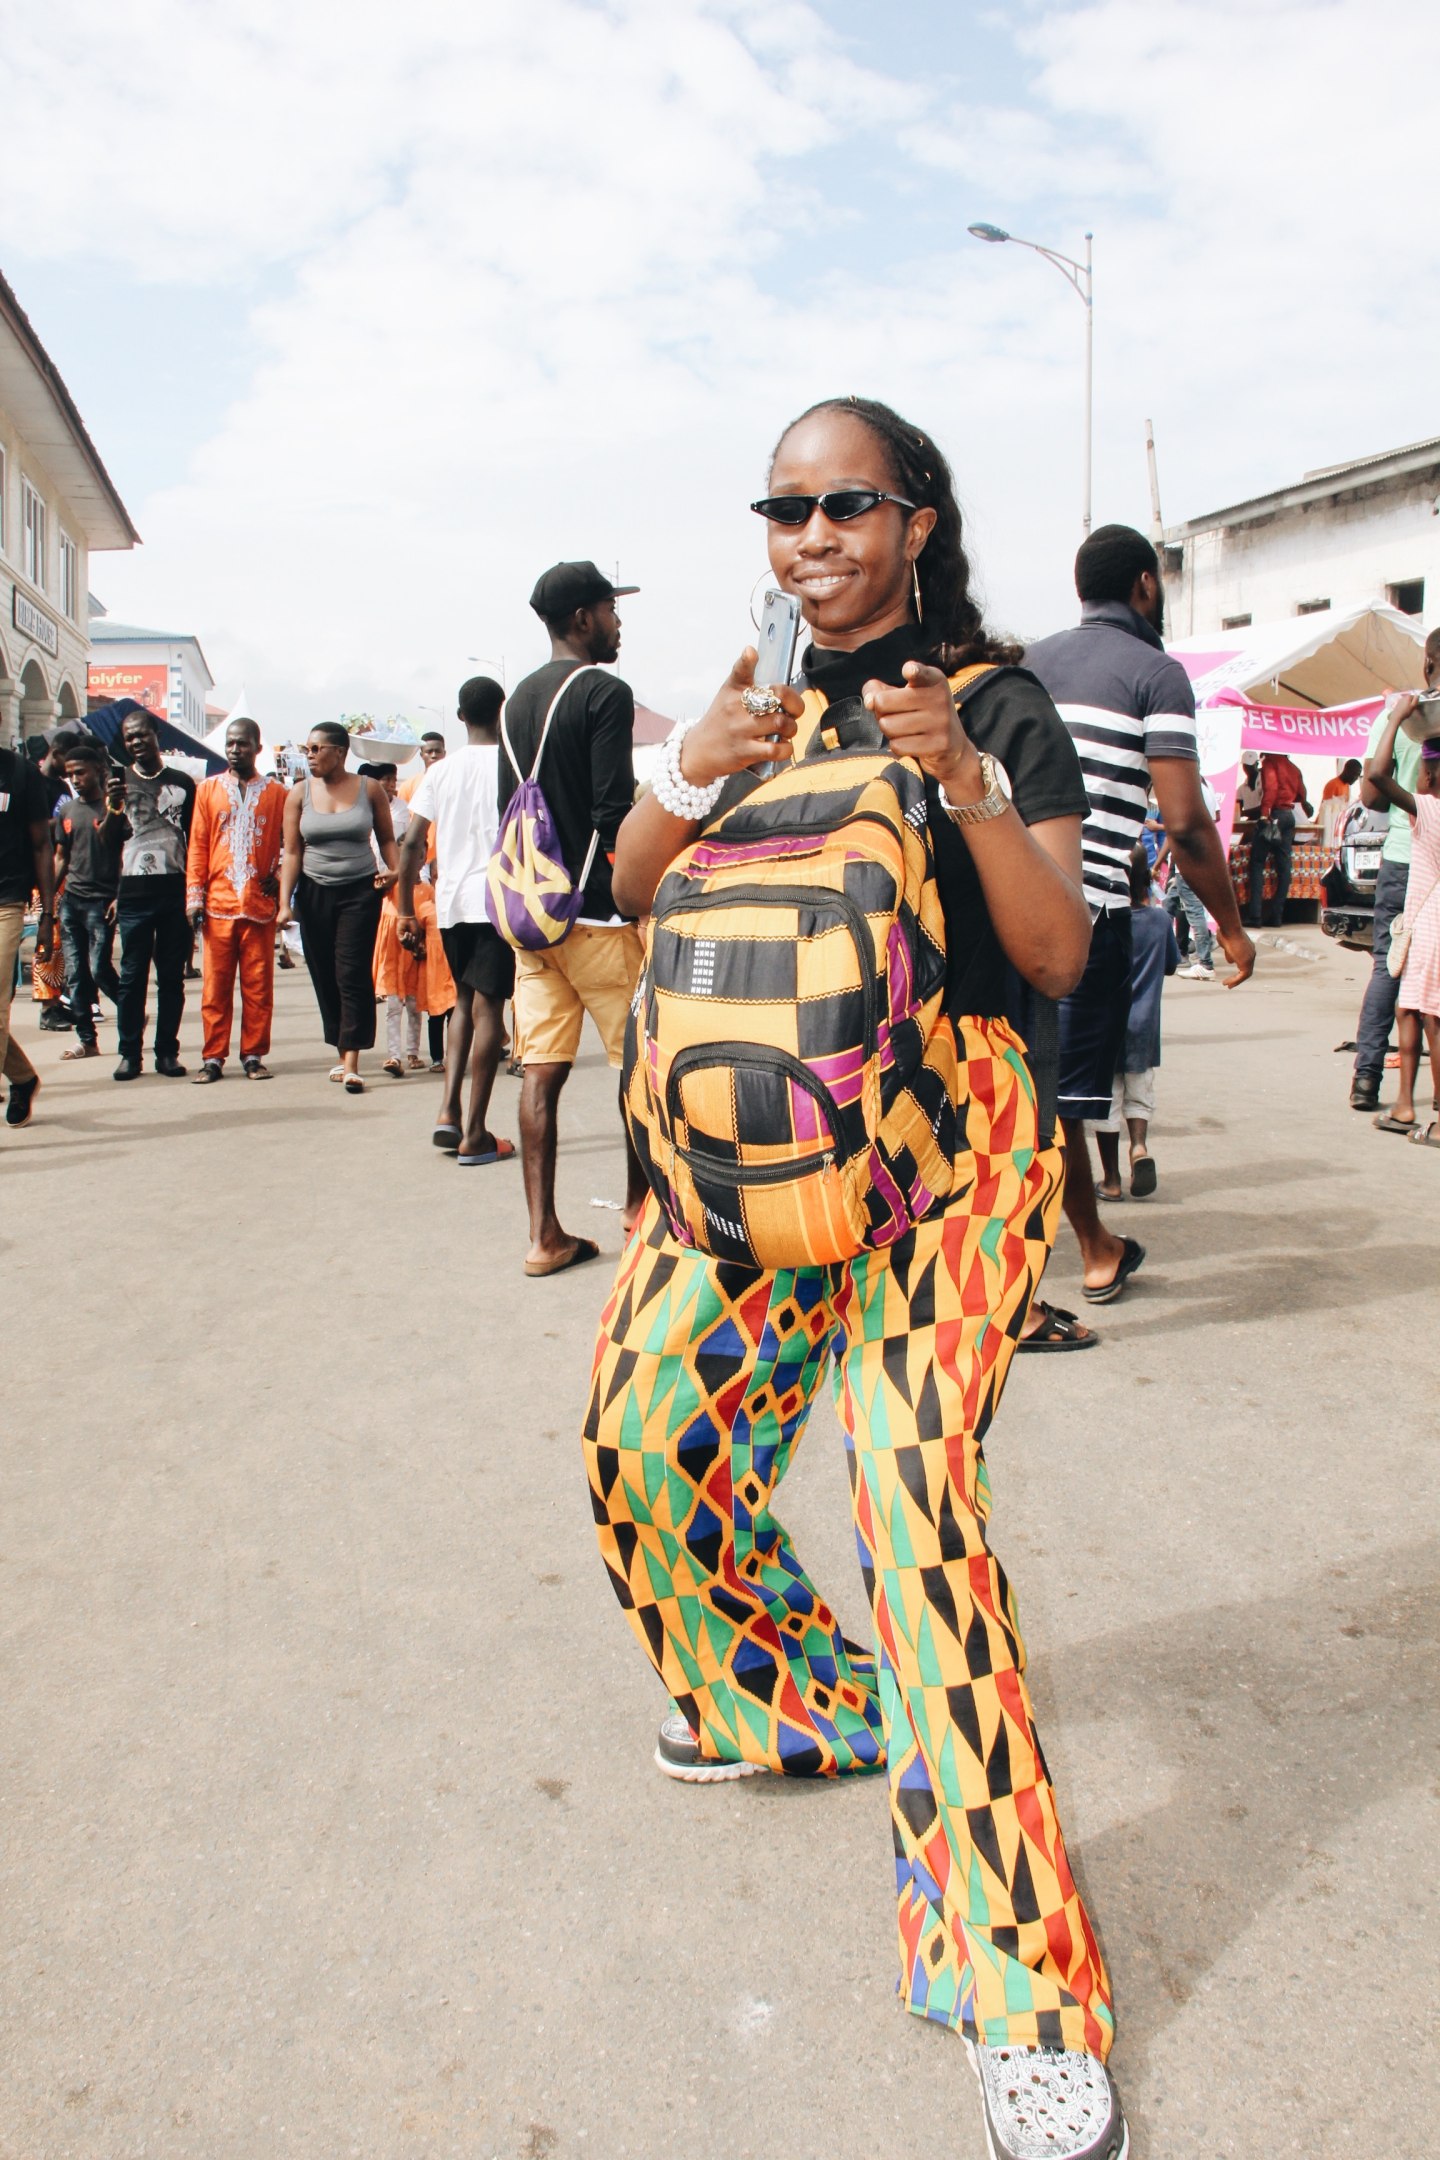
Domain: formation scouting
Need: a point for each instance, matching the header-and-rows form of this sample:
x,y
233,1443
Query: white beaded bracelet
x,y
673,791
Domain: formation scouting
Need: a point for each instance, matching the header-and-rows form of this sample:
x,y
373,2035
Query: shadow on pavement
x,y
1284,1720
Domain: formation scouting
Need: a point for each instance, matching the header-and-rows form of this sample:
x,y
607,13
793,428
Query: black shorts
x,y
480,959
1093,1020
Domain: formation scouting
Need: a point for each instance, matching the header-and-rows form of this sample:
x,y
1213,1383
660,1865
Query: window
x,y
1312,607
69,578
32,535
1408,595
1236,622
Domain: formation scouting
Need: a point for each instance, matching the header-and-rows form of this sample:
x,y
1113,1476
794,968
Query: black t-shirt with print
x,y
23,803
158,810
92,856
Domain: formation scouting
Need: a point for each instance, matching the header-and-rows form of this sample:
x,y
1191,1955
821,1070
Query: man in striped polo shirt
x,y
1131,712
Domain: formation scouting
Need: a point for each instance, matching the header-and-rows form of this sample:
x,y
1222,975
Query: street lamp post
x,y
1082,277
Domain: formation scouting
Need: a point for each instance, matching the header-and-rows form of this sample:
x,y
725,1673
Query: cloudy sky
x,y
375,312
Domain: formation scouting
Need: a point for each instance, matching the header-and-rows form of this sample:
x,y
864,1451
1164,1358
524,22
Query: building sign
x,y
34,623
148,685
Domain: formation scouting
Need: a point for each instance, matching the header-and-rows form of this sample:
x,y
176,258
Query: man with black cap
x,y
588,777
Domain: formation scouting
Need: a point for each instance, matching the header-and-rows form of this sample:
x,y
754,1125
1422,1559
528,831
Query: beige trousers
x,y
15,1064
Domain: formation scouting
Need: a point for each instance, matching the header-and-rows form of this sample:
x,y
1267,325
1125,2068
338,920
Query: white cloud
x,y
534,285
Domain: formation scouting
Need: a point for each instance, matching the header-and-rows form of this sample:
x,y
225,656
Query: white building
x,y
57,503
162,669
1365,531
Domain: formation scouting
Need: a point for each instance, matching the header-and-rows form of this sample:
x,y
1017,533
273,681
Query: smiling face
x,y
852,580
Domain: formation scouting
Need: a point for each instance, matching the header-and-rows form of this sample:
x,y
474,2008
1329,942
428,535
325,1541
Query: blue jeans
x,y
152,928
1181,898
1377,1014
87,935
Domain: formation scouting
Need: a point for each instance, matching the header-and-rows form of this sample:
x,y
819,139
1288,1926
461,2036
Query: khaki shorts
x,y
593,971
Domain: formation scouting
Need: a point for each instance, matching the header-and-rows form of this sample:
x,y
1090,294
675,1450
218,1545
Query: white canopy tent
x,y
1334,657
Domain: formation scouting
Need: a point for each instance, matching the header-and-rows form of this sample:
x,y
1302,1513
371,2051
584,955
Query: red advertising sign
x,y
148,684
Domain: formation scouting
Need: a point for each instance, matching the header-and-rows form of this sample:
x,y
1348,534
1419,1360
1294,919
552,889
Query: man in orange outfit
x,y
233,888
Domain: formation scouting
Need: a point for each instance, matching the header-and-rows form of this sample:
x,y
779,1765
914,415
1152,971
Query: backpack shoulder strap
x,y
588,667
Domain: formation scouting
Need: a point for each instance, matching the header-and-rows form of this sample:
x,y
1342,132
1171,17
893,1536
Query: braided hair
x,y
919,472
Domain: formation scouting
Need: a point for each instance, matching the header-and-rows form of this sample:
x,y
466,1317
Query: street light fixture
x,y
1082,277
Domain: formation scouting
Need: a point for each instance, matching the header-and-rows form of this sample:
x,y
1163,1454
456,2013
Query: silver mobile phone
x,y
777,638
776,641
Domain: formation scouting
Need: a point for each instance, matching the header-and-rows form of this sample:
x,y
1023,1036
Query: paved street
x,y
329,1824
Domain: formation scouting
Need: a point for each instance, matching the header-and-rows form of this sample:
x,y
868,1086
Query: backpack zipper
x,y
759,1055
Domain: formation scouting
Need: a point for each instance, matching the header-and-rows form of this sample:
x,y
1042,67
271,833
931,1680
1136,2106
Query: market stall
x,y
1310,687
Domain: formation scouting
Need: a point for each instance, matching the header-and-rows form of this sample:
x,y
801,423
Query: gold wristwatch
x,y
993,803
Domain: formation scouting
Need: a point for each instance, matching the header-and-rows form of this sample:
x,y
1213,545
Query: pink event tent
x,y
1310,686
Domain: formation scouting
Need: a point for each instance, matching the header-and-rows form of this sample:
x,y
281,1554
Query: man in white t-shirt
x,y
459,796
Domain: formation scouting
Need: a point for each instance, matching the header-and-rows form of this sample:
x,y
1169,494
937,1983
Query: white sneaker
x,y
677,1753
1197,971
1048,2104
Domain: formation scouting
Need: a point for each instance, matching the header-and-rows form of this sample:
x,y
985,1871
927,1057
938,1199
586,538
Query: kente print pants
x,y
704,1376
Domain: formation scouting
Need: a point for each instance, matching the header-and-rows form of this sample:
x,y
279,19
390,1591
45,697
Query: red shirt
x,y
1282,784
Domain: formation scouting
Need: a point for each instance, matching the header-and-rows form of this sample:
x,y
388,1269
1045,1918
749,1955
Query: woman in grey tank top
x,y
340,859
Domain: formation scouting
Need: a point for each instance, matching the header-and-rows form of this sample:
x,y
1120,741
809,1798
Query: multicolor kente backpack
x,y
529,895
791,1084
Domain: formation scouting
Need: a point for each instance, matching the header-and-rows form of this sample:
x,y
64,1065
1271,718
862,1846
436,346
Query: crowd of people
x,y
1006,1019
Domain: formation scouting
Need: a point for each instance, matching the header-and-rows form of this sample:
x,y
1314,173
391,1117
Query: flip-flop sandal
x,y
416,1064
81,1050
395,1069
1390,1123
447,1137
1105,1293
1426,1136
337,1072
1058,1330
585,1249
1110,1198
1143,1177
503,1151
354,1085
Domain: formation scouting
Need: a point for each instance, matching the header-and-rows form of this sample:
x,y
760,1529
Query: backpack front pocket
x,y
756,1160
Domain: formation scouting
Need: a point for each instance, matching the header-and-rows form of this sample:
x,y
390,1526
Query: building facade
x,y
1369,530
164,670
57,506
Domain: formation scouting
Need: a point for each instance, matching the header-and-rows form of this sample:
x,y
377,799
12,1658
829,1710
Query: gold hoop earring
x,y
915,588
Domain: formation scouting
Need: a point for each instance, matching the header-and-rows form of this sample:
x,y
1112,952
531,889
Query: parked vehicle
x,y
1347,912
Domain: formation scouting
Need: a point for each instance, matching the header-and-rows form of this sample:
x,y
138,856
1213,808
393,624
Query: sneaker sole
x,y
707,1773
974,2062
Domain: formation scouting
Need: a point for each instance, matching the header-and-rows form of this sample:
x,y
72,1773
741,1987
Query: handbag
x,y
530,896
1402,930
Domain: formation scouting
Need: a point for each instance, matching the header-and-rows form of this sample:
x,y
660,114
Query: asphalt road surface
x,y
329,1821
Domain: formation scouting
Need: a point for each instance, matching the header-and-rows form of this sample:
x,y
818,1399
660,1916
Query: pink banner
x,y
1337,731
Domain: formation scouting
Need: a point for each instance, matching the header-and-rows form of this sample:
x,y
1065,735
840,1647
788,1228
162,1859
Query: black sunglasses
x,y
839,505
